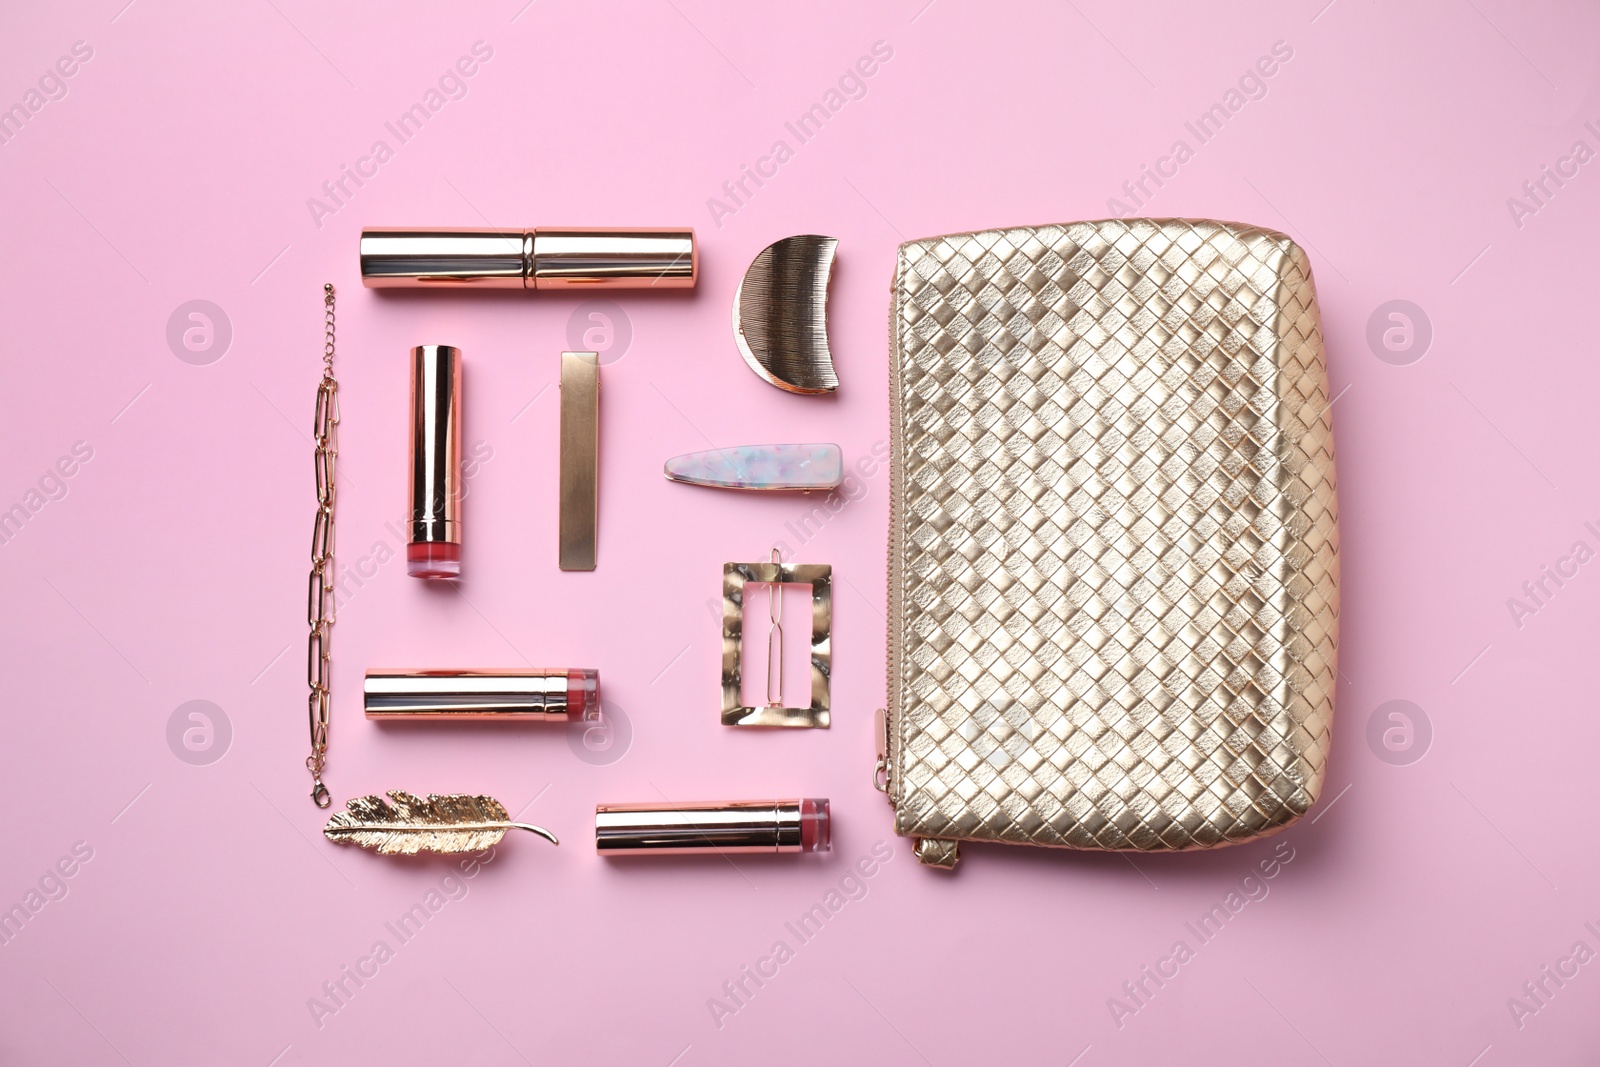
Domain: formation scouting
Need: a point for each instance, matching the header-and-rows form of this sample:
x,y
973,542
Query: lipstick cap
x,y
613,259
568,258
721,827
495,695
401,257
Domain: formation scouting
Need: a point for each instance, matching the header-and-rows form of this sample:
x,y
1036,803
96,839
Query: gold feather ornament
x,y
458,822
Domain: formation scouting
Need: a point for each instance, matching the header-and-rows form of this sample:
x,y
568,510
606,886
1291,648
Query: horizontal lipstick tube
x,y
514,695
715,827
407,257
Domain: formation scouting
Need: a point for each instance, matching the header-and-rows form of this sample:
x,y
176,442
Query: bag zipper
x,y
888,738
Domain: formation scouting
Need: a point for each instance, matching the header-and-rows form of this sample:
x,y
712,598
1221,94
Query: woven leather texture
x,y
1114,541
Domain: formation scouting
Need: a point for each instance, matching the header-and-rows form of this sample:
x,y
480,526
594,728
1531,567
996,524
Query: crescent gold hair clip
x,y
780,314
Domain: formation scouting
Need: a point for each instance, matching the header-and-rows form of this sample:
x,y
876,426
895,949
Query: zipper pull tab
x,y
880,771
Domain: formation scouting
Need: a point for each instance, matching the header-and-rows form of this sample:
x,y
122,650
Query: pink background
x,y
178,167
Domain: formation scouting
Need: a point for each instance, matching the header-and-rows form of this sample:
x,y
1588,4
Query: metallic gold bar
x,y
497,695
721,827
580,454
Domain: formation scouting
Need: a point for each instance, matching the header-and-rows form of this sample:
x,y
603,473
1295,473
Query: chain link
x,y
319,593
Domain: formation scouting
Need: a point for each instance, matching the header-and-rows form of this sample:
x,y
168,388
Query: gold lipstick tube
x,y
434,527
550,258
495,695
714,827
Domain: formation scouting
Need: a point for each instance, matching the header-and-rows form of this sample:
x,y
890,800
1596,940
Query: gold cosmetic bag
x,y
1113,554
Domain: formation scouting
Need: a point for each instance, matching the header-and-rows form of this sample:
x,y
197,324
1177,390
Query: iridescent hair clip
x,y
792,468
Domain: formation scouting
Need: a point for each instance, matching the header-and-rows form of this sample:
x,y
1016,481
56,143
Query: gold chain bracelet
x,y
319,596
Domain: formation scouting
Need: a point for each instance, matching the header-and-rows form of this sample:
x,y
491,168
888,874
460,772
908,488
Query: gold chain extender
x,y
319,597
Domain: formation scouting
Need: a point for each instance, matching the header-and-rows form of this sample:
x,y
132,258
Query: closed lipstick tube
x,y
547,258
434,548
715,827
514,695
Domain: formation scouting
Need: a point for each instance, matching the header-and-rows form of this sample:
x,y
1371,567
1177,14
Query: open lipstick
x,y
716,827
434,547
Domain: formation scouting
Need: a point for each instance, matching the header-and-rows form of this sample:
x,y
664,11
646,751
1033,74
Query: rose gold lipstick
x,y
434,546
720,827
514,695
547,258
